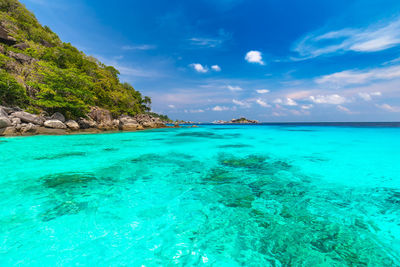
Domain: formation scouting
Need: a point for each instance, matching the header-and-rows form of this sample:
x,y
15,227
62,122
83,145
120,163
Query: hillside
x,y
39,72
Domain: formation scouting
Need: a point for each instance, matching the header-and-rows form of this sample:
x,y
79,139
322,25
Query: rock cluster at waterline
x,y
15,121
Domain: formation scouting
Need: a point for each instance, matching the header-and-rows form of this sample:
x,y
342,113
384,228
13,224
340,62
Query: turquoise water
x,y
213,196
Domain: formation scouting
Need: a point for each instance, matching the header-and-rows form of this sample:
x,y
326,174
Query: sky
x,y
270,60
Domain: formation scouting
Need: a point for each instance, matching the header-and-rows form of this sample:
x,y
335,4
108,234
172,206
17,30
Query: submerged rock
x,y
65,179
55,124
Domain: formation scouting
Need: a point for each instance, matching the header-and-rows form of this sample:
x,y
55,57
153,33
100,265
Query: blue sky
x,y
270,60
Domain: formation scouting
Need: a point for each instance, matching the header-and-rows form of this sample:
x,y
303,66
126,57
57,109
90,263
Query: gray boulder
x,y
28,118
55,124
87,123
28,129
4,122
102,117
21,58
58,116
73,125
21,46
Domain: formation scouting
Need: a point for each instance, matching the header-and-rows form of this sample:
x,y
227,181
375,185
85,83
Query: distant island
x,y
241,120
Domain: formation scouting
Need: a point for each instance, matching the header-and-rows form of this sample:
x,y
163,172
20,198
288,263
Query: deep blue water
x,y
217,195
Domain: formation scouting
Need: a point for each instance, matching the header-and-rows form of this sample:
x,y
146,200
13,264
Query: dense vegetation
x,y
41,73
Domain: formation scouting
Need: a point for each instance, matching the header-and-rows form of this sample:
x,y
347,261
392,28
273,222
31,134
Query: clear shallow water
x,y
214,196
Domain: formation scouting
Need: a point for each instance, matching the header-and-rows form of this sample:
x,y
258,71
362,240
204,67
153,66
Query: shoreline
x,y
17,122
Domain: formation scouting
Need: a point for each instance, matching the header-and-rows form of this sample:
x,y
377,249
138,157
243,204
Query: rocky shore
x,y
17,122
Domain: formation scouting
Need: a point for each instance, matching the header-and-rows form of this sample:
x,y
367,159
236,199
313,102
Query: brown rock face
x,y
21,58
5,38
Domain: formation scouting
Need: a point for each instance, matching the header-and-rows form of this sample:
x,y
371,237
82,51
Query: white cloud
x,y
262,103
216,68
328,99
139,47
194,111
199,68
344,109
241,103
220,108
234,88
309,106
368,96
376,37
171,106
286,101
389,108
254,57
262,91
359,77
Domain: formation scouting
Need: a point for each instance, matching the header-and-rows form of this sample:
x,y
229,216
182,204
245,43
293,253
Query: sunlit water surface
x,y
214,196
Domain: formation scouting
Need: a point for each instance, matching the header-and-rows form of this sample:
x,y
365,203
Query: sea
x,y
317,194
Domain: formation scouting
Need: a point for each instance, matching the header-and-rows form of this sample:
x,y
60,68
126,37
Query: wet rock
x,y
73,125
21,46
8,131
21,58
55,124
86,123
28,118
58,116
50,131
28,129
5,38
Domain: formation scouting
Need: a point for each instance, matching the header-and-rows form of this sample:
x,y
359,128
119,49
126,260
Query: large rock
x,y
4,122
55,124
9,110
21,58
3,112
21,46
5,38
8,131
15,121
87,123
58,116
73,125
148,121
102,117
127,123
28,129
28,118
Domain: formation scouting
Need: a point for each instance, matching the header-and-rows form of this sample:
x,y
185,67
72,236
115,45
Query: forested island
x,y
48,84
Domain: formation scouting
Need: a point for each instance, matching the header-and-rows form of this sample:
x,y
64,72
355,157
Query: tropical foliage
x,y
57,76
